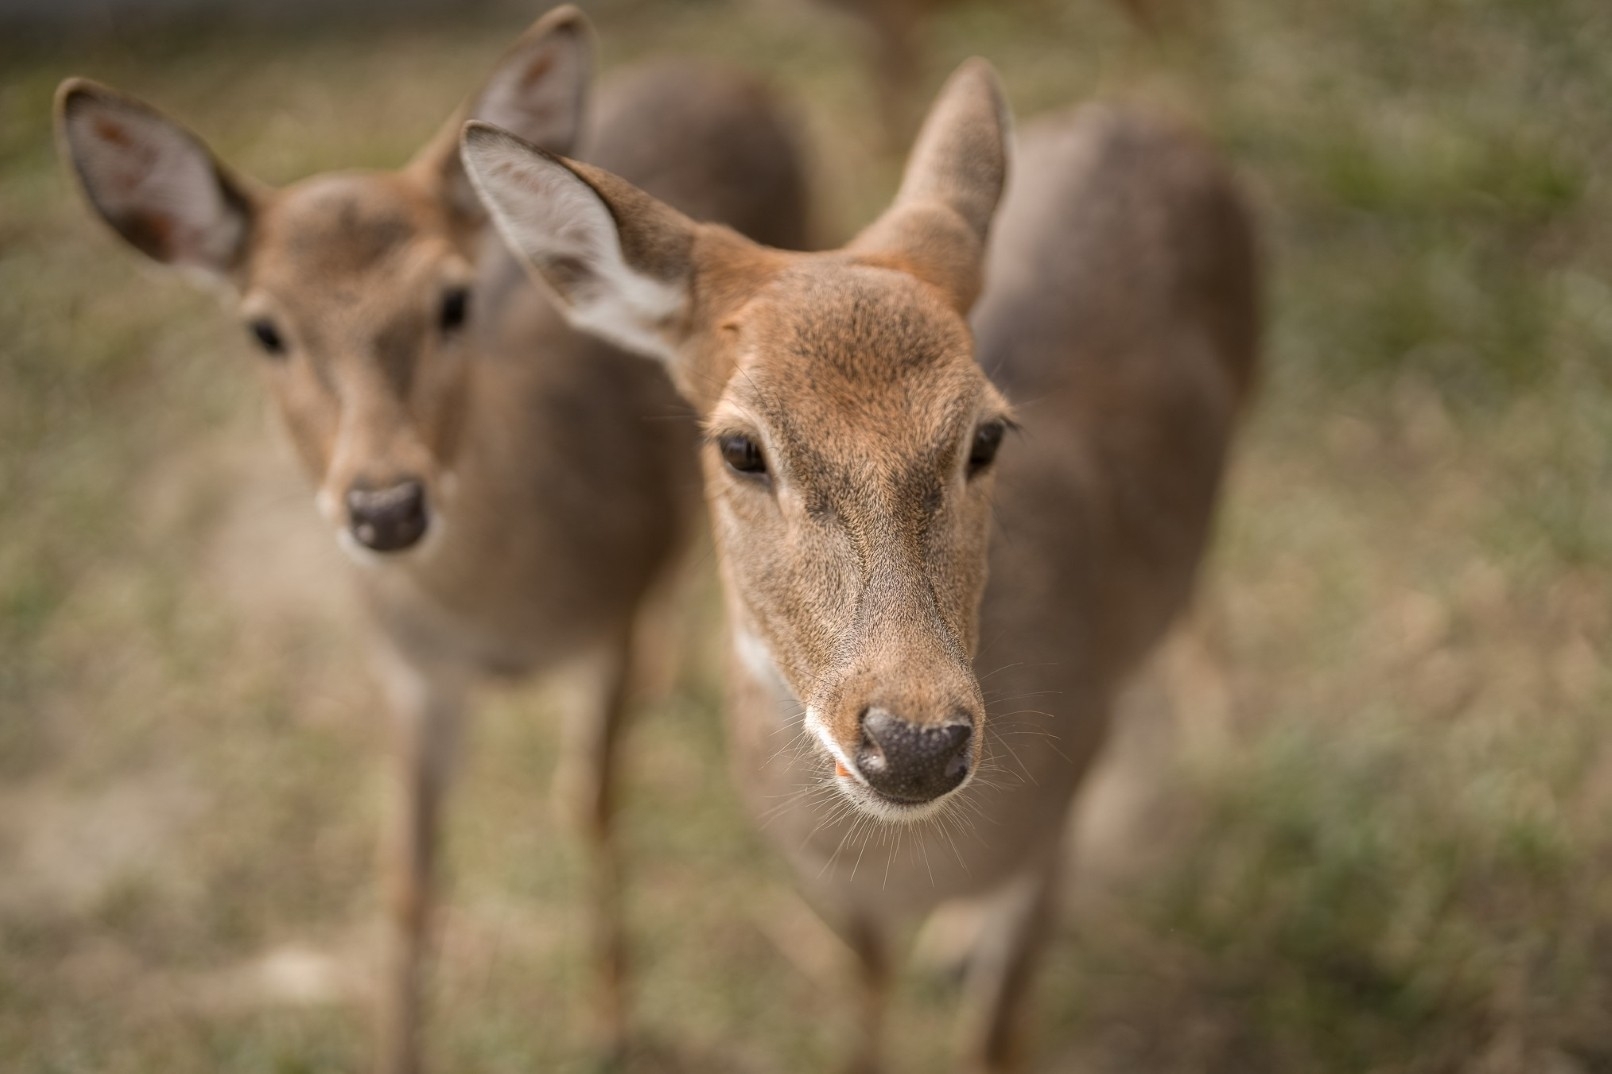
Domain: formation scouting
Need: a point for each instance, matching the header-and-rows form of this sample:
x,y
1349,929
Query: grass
x,y
1381,842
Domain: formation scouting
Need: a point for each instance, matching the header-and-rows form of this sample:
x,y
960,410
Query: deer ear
x,y
153,181
938,224
538,91
619,262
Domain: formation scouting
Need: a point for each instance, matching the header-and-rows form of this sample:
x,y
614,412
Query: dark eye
x,y
455,308
742,454
987,439
267,336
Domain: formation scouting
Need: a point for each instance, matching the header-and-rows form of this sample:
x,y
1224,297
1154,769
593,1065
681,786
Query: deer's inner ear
x,y
537,91
618,260
153,181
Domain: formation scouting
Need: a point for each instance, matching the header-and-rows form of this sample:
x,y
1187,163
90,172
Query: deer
x,y
969,447
512,492
893,30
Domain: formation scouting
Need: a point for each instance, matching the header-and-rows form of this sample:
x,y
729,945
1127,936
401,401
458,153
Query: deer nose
x,y
387,519
913,762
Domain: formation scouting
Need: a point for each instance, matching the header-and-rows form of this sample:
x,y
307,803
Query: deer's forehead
x,y
820,410
857,355
862,325
341,226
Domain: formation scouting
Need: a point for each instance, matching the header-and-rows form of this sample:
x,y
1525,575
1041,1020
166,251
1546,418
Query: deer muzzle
x,y
388,519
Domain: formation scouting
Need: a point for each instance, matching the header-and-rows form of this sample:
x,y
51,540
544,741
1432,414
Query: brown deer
x,y
511,490
893,30
852,423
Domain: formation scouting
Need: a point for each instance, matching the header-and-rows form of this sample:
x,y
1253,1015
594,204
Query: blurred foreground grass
x,y
1380,843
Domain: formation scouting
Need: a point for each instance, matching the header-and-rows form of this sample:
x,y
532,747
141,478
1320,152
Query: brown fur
x,y
1119,313
559,470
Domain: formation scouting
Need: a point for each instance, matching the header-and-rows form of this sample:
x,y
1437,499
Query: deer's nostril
x,y
912,762
870,758
388,519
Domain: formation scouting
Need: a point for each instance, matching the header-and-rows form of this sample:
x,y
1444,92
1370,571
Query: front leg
x,y
585,792
426,706
1003,967
872,996
870,944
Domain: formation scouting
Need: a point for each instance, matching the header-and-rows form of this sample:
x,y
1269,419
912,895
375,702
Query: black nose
x,y
389,519
912,762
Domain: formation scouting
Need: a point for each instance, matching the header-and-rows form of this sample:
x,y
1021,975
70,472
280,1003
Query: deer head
x,y
359,289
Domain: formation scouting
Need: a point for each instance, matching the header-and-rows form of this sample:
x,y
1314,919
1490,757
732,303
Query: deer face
x,y
358,289
848,471
850,432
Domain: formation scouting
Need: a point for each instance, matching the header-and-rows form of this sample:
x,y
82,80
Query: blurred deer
x,y
894,27
853,421
510,490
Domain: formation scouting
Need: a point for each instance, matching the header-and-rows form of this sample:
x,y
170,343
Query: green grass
x,y
1390,853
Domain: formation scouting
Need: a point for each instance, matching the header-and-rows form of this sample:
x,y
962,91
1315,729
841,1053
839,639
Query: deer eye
x,y
455,308
268,337
742,454
987,439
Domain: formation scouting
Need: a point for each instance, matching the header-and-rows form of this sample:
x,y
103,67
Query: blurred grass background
x,y
1374,833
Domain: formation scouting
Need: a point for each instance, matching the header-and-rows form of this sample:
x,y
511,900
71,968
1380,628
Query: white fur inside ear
x,y
155,183
561,227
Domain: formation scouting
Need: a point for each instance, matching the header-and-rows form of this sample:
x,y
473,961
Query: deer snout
x,y
388,519
911,762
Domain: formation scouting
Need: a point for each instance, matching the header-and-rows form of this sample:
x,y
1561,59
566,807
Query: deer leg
x,y
586,794
1003,968
897,65
426,709
873,973
870,948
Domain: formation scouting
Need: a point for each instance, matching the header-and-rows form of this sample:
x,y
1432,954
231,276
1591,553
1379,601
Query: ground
x,y
1362,816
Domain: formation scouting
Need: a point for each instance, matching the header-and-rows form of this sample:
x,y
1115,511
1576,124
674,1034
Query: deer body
x,y
942,631
895,29
1119,315
511,490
